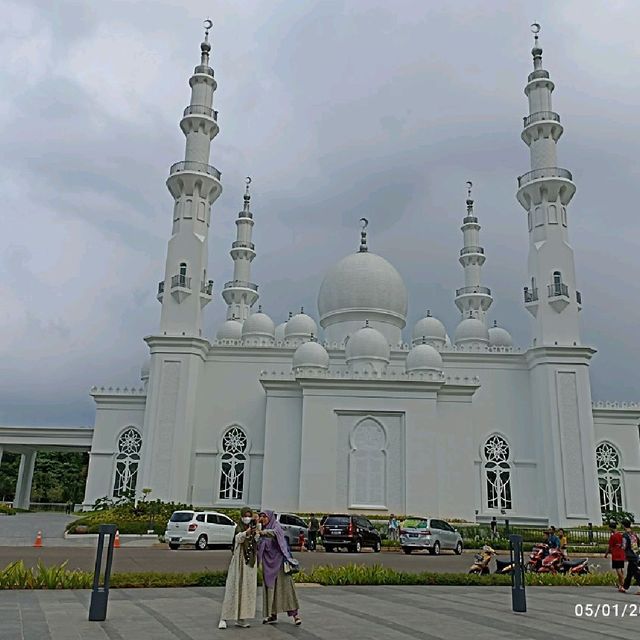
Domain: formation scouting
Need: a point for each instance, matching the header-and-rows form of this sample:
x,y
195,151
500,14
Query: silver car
x,y
293,525
429,533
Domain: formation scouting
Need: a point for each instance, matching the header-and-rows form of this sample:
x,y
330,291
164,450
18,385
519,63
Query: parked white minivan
x,y
199,528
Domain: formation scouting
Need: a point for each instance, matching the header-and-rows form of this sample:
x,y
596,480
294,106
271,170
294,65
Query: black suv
x,y
352,532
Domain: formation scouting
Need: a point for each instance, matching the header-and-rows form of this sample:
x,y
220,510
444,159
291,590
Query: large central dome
x,y
363,286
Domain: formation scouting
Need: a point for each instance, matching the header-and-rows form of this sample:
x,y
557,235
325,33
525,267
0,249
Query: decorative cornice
x,y
118,391
615,405
560,354
190,345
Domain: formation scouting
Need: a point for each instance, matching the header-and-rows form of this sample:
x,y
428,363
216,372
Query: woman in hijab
x,y
242,579
279,594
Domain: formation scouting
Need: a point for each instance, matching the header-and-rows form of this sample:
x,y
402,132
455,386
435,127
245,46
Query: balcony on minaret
x,y
541,116
206,292
544,172
189,166
558,293
530,295
241,244
579,300
467,291
240,284
180,286
160,294
472,249
200,110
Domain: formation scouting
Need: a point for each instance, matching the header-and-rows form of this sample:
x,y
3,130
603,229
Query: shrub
x,y
6,510
618,516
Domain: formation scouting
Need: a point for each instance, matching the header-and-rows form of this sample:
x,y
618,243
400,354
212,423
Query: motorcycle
x,y
557,562
539,552
482,563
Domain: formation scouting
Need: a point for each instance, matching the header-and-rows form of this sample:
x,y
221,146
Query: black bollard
x,y
518,597
506,528
590,525
100,595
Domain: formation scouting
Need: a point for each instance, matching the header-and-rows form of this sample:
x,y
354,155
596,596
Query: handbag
x,y
291,567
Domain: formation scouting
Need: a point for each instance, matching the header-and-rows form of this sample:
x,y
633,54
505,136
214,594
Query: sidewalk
x,y
389,613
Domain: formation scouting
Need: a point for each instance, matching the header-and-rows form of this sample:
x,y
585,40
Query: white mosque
x,y
348,413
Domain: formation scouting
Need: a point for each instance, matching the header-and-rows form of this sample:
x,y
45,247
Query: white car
x,y
199,528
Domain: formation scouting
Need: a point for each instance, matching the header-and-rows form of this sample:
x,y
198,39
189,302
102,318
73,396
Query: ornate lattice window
x,y
497,473
233,463
367,465
609,477
127,462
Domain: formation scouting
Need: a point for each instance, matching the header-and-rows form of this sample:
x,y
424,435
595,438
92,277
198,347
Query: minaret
x,y
241,294
545,193
195,186
473,299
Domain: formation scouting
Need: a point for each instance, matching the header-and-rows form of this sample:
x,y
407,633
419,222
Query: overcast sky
x,y
337,110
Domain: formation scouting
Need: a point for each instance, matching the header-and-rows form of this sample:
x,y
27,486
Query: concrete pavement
x,y
383,613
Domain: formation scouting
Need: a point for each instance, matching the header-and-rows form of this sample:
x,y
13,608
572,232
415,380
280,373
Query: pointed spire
x,y
259,308
363,235
205,46
247,198
428,313
469,199
495,323
536,52
301,310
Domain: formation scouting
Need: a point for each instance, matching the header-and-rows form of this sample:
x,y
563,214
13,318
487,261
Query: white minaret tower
x,y
195,186
545,193
178,351
241,294
473,299
560,388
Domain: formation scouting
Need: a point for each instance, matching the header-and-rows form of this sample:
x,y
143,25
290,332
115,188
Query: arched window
x,y
367,465
609,477
497,473
232,464
127,462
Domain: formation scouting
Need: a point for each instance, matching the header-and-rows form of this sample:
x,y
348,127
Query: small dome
x,y
230,330
279,332
471,330
431,329
311,354
300,327
367,344
145,369
423,357
499,337
258,324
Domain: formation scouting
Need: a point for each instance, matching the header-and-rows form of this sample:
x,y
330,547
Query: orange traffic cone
x,y
116,542
38,542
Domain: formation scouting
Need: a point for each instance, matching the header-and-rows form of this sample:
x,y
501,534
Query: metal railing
x,y
470,220
530,295
471,250
240,283
544,172
160,288
465,290
190,165
203,68
207,288
558,289
538,73
541,115
578,297
242,244
181,281
200,109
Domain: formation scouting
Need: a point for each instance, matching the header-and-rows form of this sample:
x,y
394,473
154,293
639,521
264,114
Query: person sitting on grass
x,y
617,553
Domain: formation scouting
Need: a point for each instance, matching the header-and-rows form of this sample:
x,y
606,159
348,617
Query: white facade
x,y
364,421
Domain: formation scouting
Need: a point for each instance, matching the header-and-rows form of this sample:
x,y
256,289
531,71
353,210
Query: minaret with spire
x,y
195,186
241,294
473,299
545,193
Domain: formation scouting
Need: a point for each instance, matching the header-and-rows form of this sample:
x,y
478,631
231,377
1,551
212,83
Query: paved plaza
x,y
380,613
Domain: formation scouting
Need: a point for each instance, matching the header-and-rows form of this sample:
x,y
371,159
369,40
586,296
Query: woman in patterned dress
x,y
242,579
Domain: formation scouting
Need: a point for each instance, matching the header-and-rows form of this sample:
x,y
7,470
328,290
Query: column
x,y
22,498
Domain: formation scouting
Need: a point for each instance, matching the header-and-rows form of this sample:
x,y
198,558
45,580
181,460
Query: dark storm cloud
x,y
338,110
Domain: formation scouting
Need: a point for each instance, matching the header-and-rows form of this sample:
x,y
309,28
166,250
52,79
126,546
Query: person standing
x,y
392,527
630,546
239,602
314,529
554,541
616,551
279,593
